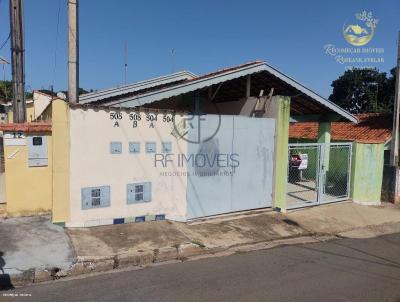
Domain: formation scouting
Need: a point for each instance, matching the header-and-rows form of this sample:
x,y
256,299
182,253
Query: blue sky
x,y
206,35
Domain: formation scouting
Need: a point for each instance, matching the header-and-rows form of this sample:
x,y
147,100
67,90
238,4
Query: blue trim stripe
x,y
140,219
119,220
160,217
125,220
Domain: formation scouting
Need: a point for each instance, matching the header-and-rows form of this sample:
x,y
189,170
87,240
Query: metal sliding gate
x,y
318,173
214,189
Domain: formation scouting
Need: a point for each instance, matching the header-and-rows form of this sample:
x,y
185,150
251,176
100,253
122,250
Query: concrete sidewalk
x,y
340,217
143,243
216,233
232,230
32,246
139,244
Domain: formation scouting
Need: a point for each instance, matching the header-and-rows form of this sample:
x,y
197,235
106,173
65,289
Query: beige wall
x,y
2,187
30,112
91,164
28,189
59,112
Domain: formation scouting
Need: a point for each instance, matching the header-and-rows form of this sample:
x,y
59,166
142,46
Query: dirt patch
x,y
105,240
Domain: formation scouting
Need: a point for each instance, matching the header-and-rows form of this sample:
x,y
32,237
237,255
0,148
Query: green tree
x,y
6,93
364,90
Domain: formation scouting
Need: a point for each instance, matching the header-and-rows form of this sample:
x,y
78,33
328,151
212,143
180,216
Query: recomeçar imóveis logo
x,y
361,30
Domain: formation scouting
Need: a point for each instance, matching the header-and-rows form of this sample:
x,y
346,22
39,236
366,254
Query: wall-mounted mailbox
x,y
37,151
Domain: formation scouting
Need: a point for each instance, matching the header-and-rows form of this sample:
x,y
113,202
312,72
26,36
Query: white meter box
x,y
37,151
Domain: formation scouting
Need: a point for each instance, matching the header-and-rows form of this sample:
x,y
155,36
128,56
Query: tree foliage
x,y
364,90
6,93
5,90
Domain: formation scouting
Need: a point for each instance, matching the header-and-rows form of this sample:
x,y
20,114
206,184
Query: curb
x,y
84,265
93,264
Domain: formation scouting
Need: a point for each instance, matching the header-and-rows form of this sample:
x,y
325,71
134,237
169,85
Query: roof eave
x,y
311,94
111,92
189,86
186,87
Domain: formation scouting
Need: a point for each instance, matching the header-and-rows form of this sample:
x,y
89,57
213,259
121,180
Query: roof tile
x,y
26,127
371,128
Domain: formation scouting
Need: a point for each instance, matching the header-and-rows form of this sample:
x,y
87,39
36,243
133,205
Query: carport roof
x,y
233,84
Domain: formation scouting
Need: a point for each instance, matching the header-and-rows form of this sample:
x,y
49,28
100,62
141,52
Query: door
x,y
318,173
303,177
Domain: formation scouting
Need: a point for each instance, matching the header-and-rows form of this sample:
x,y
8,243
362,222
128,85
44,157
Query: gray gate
x,y
318,173
239,185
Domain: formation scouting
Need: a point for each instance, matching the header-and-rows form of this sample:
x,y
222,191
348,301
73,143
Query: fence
x,y
318,173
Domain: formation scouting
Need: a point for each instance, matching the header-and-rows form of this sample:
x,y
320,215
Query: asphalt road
x,y
341,270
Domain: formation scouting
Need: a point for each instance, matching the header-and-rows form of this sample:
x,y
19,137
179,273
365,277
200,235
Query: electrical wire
x,y
56,42
5,42
8,38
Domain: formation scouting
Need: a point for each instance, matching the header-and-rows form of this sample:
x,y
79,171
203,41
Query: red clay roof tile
x,y
371,128
26,127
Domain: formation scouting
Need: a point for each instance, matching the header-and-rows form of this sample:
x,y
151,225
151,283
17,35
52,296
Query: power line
x,y
8,38
5,42
56,42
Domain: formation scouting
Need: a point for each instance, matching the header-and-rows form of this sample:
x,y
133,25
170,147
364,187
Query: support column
x,y
324,136
60,132
280,110
367,173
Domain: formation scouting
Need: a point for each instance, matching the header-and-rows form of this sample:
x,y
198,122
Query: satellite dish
x,y
61,95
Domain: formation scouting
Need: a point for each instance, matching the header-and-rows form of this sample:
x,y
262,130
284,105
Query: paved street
x,y
340,270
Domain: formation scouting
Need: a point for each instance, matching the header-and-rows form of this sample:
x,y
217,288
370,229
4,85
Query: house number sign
x,y
136,118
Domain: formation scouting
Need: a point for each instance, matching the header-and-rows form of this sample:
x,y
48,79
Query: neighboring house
x,y
34,106
370,128
370,138
175,147
34,109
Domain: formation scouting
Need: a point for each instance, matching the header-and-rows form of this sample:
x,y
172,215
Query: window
x,y
150,147
96,201
138,192
134,147
166,147
115,147
95,197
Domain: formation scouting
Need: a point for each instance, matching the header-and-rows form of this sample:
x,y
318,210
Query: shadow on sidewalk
x,y
5,281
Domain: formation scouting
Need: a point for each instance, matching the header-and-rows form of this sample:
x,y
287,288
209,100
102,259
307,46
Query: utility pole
x,y
394,153
73,51
17,61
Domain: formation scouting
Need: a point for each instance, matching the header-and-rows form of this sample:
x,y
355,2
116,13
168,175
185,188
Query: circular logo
x,y
197,127
361,30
